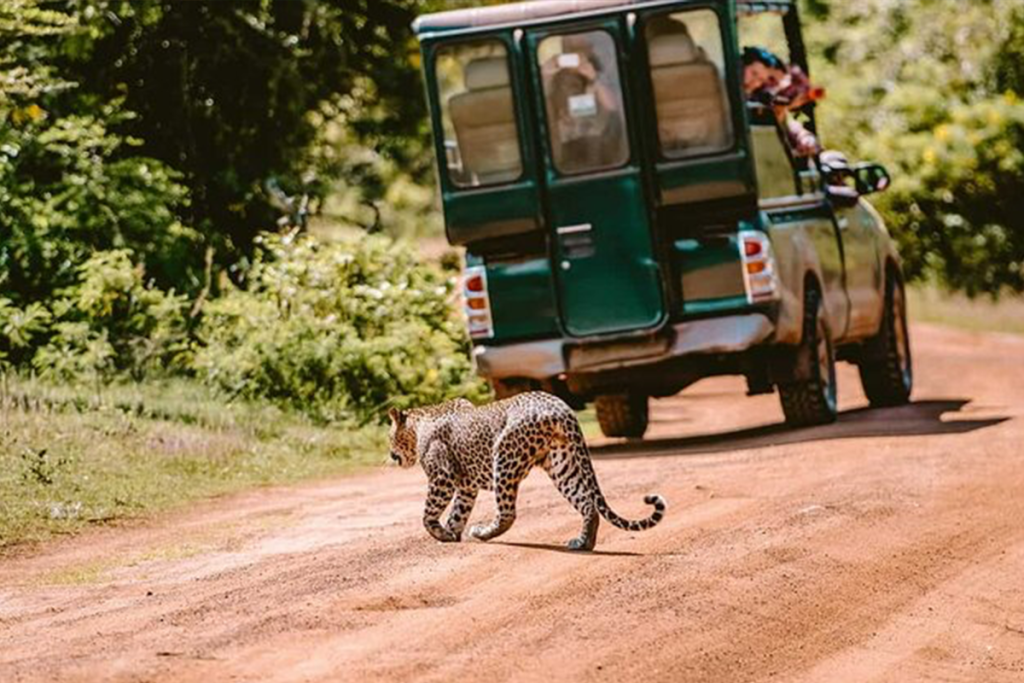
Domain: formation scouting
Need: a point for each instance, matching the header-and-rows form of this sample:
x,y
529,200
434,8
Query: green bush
x,y
111,322
19,329
957,205
338,330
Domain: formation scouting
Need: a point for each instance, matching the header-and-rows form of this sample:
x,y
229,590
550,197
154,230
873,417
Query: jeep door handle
x,y
576,242
575,229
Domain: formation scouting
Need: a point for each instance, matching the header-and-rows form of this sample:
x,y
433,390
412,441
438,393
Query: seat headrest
x,y
482,74
677,48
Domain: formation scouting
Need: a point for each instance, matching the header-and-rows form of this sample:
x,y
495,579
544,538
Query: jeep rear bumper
x,y
543,360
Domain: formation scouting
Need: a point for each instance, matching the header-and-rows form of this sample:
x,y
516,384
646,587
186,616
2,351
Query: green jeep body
x,y
693,248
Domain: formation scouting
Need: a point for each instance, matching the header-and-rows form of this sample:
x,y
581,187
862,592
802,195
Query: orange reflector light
x,y
752,248
475,283
756,267
477,304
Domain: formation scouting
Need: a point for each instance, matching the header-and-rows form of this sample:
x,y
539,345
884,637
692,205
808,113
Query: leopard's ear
x,y
397,416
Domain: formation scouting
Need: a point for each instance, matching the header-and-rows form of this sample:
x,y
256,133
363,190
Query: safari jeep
x,y
632,224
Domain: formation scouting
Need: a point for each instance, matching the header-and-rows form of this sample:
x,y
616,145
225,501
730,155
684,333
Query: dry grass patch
x,y
74,456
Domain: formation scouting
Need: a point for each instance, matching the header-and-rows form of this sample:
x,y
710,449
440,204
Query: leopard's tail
x,y
586,464
633,525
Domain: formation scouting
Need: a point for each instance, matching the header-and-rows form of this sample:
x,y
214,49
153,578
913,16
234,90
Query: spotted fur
x,y
464,448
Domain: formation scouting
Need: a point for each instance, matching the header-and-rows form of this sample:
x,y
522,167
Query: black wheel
x,y
886,367
810,397
622,414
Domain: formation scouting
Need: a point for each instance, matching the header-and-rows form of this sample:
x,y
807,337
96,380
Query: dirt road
x,y
887,547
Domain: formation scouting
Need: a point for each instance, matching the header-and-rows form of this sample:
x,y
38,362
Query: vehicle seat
x,y
485,123
693,112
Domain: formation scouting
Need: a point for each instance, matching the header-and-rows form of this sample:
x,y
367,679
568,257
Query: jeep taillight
x,y
759,275
477,303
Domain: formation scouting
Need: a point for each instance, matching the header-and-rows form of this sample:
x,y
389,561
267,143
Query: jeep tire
x,y
622,415
886,366
809,398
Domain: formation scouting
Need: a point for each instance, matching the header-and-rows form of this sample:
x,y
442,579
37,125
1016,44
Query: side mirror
x,y
871,178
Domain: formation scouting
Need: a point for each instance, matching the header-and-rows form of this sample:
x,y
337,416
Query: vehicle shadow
x,y
917,419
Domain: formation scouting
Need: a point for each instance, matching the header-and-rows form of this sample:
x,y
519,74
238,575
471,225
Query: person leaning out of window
x,y
767,79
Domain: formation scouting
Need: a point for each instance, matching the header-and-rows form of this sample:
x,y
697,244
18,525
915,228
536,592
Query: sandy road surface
x,y
888,547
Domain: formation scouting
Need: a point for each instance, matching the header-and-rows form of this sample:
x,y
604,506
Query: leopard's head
x,y
403,439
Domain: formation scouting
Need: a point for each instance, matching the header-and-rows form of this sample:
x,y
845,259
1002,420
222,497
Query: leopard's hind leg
x,y
511,465
568,465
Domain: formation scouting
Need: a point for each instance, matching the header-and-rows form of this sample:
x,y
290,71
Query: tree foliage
x,y
237,96
68,184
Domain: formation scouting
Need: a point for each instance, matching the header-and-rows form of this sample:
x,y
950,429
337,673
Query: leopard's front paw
x,y
479,532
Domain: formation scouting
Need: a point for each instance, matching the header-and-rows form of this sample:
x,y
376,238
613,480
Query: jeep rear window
x,y
481,134
688,73
585,108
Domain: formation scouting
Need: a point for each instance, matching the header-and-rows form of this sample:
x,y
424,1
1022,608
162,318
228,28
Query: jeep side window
x,y
776,175
481,134
688,73
774,161
583,94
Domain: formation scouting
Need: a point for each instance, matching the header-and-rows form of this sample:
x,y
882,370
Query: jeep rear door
x,y
607,278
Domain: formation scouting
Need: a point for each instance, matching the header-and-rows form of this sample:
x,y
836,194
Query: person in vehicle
x,y
768,81
584,111
763,73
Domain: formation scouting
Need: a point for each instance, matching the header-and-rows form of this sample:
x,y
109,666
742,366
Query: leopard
x,y
464,448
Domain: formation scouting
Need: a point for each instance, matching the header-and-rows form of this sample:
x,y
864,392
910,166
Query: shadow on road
x,y
917,419
564,549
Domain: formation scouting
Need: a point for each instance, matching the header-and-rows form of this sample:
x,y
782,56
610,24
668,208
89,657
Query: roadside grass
x,y
72,456
929,303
